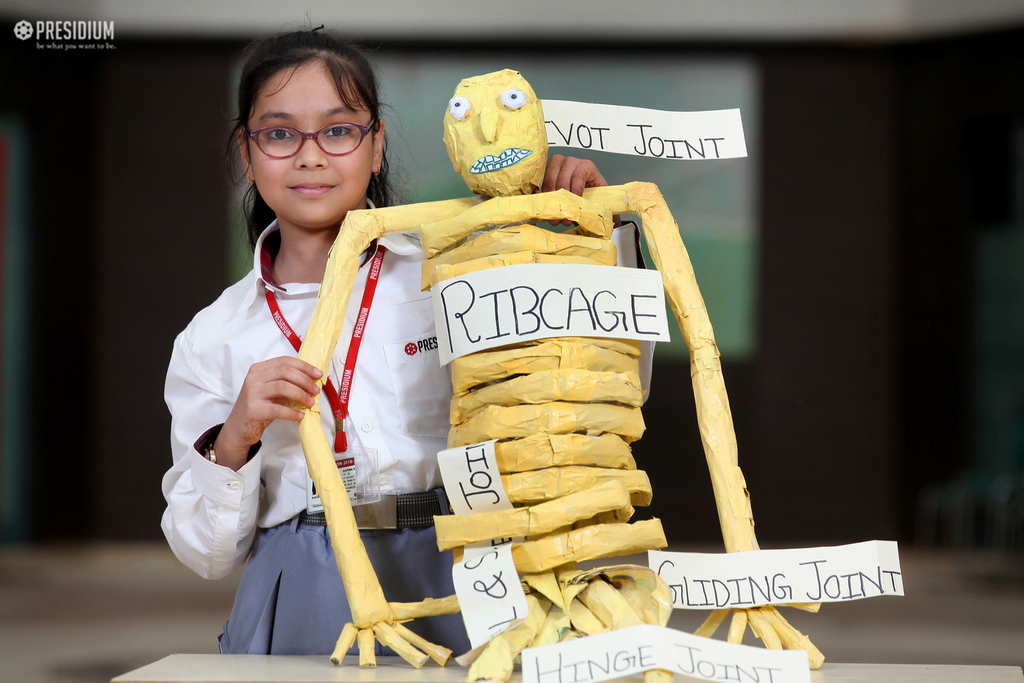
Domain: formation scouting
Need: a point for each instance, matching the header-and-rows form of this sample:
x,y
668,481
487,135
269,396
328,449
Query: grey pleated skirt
x,y
291,599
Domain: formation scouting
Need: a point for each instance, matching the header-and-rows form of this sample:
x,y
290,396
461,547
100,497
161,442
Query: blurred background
x,y
864,269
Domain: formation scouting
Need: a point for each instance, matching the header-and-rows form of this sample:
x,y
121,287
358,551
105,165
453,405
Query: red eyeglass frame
x,y
314,136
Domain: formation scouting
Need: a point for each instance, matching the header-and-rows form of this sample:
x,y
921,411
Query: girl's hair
x,y
357,86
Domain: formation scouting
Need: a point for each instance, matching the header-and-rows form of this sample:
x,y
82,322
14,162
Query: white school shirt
x,y
398,405
399,402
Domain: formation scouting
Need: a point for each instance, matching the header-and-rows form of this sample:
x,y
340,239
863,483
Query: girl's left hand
x,y
570,173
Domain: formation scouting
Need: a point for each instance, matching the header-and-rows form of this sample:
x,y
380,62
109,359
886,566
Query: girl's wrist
x,y
232,452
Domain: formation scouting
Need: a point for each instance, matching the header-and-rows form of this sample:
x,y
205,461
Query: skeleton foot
x,y
766,624
412,647
373,618
390,636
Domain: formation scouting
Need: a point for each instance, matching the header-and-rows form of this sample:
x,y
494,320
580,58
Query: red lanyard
x,y
338,400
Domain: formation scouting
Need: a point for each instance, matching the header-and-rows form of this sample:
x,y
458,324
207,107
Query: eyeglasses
x,y
336,139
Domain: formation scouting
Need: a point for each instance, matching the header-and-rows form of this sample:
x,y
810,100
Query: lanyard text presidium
x,y
338,399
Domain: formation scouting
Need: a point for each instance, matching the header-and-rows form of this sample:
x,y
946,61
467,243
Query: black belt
x,y
393,511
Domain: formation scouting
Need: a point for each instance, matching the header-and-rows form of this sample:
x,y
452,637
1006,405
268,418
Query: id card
x,y
359,470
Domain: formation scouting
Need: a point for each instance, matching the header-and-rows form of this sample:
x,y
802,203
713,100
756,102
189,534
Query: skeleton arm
x,y
713,414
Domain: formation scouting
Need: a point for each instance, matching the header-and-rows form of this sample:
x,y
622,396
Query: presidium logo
x,y
421,345
67,35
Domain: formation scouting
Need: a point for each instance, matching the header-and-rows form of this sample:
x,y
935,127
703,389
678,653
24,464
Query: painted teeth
x,y
510,156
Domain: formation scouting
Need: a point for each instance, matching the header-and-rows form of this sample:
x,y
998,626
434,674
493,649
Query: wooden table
x,y
294,669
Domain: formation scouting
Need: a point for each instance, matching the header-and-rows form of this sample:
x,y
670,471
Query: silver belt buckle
x,y
380,515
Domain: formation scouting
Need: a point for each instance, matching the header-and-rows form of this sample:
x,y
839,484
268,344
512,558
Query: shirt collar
x,y
403,244
261,277
263,258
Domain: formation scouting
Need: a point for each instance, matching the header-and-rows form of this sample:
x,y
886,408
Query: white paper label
x,y
490,595
347,470
513,304
359,472
762,577
471,479
618,654
689,135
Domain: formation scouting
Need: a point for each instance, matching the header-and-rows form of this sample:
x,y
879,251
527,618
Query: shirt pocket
x,y
422,385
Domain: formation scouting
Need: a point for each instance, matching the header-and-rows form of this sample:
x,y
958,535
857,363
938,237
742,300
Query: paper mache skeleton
x,y
563,410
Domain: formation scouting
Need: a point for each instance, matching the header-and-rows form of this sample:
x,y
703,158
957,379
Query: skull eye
x,y
513,98
458,107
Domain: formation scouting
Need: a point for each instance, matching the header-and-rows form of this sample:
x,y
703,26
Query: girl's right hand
x,y
263,398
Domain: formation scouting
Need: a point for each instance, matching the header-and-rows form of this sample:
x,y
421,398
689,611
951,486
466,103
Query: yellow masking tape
x,y
578,386
497,422
524,237
583,354
525,488
589,543
559,450
459,530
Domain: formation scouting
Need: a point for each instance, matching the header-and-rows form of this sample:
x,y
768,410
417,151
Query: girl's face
x,y
311,191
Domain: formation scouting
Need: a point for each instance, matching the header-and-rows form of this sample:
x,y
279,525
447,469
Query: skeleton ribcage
x,y
564,412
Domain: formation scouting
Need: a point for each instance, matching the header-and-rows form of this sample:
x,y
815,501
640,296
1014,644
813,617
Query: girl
x,y
312,144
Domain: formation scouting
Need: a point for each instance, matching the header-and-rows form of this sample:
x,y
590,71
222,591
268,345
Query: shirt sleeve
x,y
211,514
